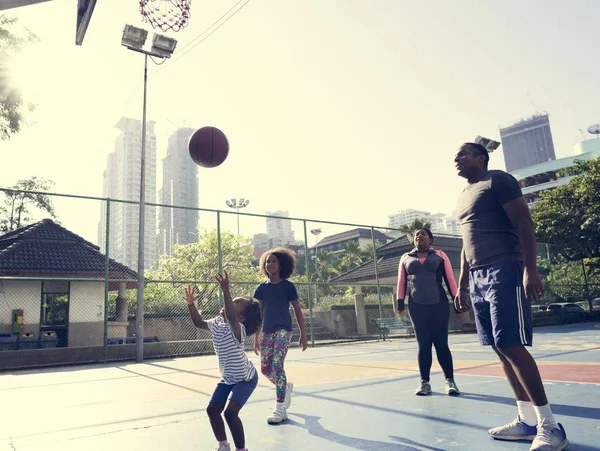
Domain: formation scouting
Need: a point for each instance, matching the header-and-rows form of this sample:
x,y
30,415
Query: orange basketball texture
x,y
208,147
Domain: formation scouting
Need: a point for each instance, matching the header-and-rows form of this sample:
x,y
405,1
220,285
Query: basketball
x,y
208,147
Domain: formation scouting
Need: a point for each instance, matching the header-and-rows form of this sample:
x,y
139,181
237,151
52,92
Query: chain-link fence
x,y
68,285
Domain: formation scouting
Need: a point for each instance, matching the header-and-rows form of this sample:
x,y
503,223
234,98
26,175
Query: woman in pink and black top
x,y
420,275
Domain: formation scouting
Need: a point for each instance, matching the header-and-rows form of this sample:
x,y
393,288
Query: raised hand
x,y
223,280
190,295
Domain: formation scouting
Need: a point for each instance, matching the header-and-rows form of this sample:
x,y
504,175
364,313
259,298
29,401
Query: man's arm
x,y
461,301
463,279
518,213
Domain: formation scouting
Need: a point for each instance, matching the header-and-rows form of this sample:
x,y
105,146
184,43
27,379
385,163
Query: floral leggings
x,y
273,349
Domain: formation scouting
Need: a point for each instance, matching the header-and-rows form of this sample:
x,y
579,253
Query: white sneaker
x,y
287,402
222,448
515,430
549,438
278,415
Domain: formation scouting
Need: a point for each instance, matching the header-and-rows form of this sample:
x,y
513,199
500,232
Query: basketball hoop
x,y
166,14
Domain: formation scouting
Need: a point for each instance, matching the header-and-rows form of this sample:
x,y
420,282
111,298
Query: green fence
x,y
74,277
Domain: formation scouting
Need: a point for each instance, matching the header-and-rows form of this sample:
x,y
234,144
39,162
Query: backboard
x,y
9,4
85,9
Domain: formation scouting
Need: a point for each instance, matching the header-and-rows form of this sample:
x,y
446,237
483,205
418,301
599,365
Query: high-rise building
x,y
452,225
279,231
552,174
407,216
122,182
440,223
180,187
527,142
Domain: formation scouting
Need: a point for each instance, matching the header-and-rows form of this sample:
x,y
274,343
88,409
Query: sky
x,y
336,110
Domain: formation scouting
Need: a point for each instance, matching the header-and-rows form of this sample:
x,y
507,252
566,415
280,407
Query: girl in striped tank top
x,y
239,318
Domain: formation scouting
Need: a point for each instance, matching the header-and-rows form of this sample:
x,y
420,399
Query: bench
x,y
131,340
385,325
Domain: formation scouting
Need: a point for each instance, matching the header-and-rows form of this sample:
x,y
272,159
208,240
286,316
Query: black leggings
x,y
431,328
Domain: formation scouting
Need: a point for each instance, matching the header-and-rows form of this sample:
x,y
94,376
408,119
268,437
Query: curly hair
x,y
286,258
252,316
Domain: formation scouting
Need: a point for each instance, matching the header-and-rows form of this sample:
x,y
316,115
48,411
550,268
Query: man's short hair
x,y
479,149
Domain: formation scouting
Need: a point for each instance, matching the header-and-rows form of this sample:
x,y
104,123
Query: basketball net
x,y
166,14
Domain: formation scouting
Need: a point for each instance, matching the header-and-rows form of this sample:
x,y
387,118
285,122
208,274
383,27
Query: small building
x,y
385,272
389,259
58,280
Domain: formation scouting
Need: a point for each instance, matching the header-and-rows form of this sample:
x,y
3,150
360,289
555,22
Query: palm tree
x,y
352,256
326,266
418,223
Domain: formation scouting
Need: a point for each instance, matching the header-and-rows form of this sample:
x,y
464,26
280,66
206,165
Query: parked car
x,y
538,308
596,304
565,306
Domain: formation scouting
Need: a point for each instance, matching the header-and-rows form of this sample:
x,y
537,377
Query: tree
x,y
11,102
351,258
566,281
197,263
569,215
418,223
16,212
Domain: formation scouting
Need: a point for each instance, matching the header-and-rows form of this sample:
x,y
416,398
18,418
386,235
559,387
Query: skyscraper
x,y
122,182
406,217
279,231
180,187
527,142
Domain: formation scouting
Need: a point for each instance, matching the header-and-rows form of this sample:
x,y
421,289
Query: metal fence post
x,y
106,277
586,286
308,277
219,252
376,272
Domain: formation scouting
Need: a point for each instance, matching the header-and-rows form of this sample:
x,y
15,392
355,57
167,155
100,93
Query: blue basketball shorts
x,y
502,313
239,393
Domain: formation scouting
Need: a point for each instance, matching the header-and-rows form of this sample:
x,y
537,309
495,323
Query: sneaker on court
x,y
424,388
451,388
278,415
549,438
515,430
287,402
222,448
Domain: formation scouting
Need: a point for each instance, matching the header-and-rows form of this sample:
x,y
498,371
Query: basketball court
x,y
353,396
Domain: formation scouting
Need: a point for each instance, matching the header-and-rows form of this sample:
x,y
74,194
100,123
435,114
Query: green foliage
x,y
16,211
344,301
418,223
564,278
569,215
197,264
12,105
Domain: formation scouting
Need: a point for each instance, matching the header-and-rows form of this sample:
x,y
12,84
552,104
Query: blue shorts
x,y
240,392
502,314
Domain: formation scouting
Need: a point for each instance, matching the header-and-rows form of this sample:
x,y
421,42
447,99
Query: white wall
x,y
26,295
86,302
